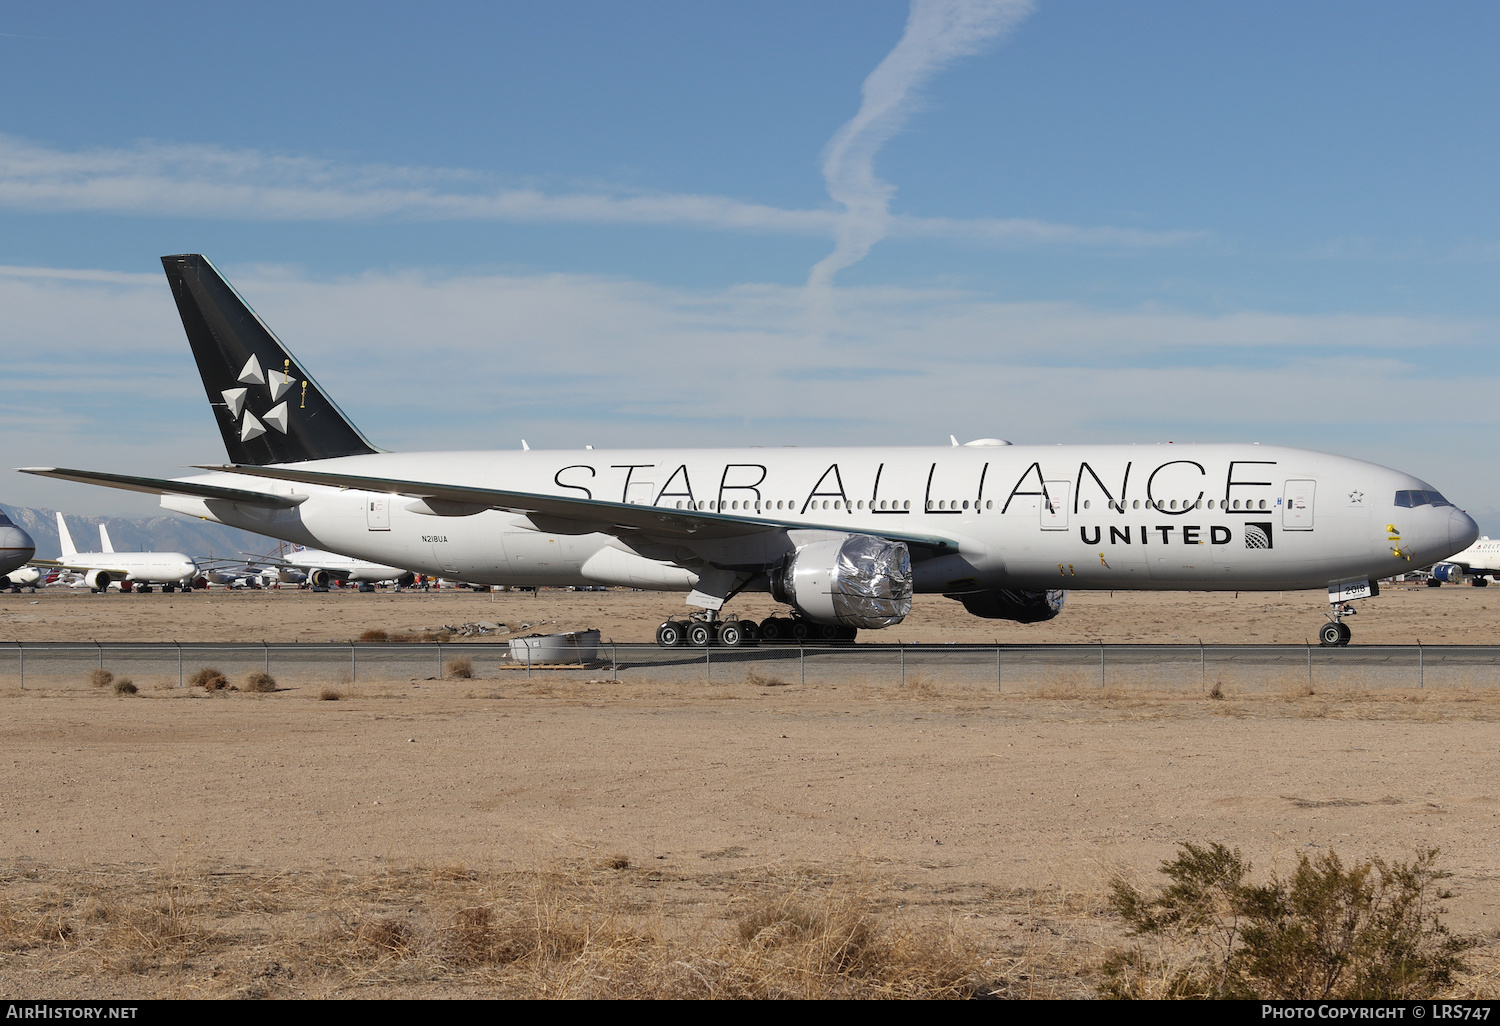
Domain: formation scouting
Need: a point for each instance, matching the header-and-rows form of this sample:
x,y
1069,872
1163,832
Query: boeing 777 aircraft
x,y
843,536
1479,562
320,568
141,569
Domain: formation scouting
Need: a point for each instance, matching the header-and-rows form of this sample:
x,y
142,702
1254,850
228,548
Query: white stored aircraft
x,y
172,570
844,536
16,550
1479,561
321,568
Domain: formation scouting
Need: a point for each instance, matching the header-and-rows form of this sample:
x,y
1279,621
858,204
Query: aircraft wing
x,y
62,564
161,486
564,515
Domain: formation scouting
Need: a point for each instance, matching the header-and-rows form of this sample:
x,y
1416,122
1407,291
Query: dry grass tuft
x,y
125,686
260,681
100,677
760,680
330,695
461,668
375,634
1216,692
209,679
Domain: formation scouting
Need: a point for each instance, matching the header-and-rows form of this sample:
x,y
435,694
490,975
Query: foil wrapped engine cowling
x,y
1011,604
859,581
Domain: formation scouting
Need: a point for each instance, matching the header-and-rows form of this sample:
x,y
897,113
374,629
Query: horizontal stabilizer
x,y
160,486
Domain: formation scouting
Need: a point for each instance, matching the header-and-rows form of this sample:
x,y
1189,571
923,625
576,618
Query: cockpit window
x,y
1418,498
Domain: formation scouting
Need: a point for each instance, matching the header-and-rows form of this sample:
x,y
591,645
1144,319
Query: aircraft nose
x,y
1462,530
16,546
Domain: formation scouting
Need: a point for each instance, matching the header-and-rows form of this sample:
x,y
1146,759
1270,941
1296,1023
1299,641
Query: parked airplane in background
x,y
843,536
321,568
16,550
172,570
1479,561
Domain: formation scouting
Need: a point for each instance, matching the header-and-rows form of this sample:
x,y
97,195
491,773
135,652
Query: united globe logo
x,y
1258,536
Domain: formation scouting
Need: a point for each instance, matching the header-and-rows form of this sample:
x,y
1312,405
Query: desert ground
x,y
1401,615
185,842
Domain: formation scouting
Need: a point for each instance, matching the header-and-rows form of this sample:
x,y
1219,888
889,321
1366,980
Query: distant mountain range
x,y
166,533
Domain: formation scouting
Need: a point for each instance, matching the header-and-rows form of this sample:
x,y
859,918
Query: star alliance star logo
x,y
1356,498
278,383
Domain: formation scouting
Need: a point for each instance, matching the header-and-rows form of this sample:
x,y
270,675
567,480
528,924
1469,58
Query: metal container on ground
x,y
542,649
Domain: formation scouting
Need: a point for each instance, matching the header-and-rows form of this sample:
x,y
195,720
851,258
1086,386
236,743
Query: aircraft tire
x,y
1481,582
773,630
800,631
1344,634
1433,582
1329,635
670,634
731,634
700,635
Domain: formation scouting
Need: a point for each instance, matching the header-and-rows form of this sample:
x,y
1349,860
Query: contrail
x,y
937,32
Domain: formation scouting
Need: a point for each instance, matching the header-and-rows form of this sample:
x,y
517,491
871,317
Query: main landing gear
x,y
705,629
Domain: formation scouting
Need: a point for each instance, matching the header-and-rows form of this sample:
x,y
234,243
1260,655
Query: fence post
x,y
997,666
179,662
1309,667
101,654
1101,665
1202,669
707,673
353,663
21,654
266,654
614,664
528,662
440,660
903,666
1421,670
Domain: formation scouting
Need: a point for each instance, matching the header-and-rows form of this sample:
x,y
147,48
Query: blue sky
x,y
596,223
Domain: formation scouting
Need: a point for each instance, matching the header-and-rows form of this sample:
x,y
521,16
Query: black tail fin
x,y
269,409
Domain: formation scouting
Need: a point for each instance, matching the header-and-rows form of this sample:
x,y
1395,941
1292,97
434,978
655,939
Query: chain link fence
x,y
1187,668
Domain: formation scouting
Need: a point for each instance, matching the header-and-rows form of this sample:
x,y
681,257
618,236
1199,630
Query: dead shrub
x,y
374,634
1216,692
461,668
760,680
1369,931
209,679
385,938
100,677
125,686
330,695
259,681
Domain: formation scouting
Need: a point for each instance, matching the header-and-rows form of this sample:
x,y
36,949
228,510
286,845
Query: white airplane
x,y
1479,561
172,570
843,536
16,550
320,568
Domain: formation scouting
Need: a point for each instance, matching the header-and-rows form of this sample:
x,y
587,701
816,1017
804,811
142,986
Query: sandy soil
x,y
969,804
1401,614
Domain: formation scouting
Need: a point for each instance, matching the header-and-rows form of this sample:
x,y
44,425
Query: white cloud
x,y
179,180
937,33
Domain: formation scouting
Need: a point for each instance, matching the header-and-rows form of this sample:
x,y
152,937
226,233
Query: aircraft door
x,y
1055,505
378,513
640,493
1297,506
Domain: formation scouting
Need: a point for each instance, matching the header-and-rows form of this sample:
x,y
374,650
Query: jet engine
x,y
1448,573
857,581
1008,604
97,580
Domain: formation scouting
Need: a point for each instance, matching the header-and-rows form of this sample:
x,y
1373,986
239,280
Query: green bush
x,y
1367,931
